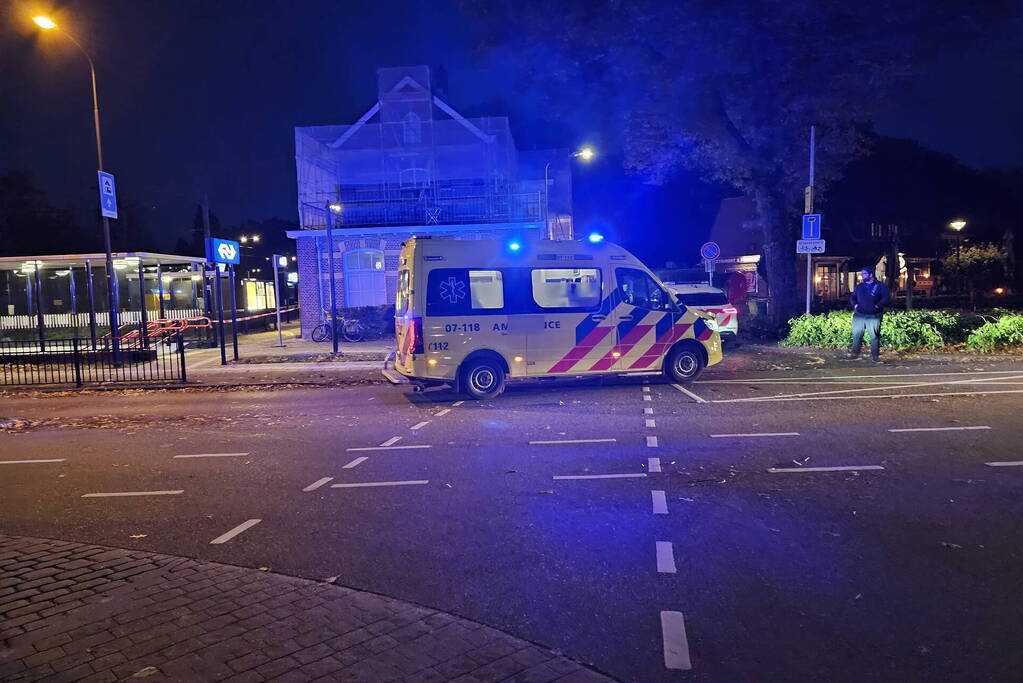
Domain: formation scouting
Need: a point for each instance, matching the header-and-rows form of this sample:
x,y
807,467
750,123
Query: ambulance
x,y
472,313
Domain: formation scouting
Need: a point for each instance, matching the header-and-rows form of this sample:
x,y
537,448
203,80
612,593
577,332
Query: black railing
x,y
78,362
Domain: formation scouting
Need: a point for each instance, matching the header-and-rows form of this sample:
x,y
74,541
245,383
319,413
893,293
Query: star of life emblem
x,y
452,291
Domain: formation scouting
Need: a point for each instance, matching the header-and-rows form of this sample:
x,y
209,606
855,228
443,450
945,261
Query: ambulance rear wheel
x,y
683,364
482,378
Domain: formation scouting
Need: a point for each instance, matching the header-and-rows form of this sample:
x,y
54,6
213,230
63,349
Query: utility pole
x,y
808,208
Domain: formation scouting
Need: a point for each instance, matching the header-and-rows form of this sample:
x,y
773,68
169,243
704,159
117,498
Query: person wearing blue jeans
x,y
868,301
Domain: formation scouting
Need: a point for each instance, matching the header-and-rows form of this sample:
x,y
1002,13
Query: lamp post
x,y
958,226
332,208
586,154
113,295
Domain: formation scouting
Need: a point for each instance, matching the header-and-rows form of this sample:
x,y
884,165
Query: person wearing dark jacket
x,y
868,302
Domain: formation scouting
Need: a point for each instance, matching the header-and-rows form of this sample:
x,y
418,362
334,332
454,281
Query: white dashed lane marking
x,y
317,484
676,647
1005,463
235,531
646,390
390,442
442,413
660,503
419,425
940,429
387,448
27,462
651,442
651,423
648,411
543,443
457,403
355,463
843,468
653,464
745,436
123,494
599,476
646,397
212,455
367,484
665,558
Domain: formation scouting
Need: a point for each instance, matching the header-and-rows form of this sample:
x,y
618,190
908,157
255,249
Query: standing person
x,y
868,300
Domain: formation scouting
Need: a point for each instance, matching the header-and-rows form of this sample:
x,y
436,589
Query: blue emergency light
x,y
595,237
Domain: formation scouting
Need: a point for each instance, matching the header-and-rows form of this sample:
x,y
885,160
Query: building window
x,y
412,126
364,278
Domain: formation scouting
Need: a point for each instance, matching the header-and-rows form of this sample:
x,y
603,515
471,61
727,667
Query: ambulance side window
x,y
566,289
460,291
639,289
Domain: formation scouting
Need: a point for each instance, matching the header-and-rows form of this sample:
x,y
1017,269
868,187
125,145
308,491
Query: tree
x,y
980,266
730,88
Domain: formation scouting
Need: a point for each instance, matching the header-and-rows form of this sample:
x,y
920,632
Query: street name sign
x,y
222,251
107,194
811,226
809,246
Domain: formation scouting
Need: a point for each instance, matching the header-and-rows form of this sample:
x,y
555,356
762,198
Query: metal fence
x,y
78,362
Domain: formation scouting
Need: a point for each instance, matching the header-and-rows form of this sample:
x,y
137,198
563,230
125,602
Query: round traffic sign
x,y
710,251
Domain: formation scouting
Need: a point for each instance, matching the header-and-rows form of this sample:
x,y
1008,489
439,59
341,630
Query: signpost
x,y
710,251
278,261
811,226
107,194
221,252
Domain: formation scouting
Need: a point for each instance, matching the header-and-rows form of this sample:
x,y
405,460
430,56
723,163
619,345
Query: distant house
x,y
411,165
739,233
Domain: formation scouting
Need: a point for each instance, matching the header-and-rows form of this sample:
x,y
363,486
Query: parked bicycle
x,y
351,329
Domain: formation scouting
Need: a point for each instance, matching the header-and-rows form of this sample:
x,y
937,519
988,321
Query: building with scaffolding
x,y
412,165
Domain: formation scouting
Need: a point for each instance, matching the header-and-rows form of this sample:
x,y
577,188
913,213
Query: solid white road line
x,y
653,464
355,463
939,429
390,442
212,455
541,443
948,394
24,462
651,442
785,380
1005,463
131,493
689,393
651,423
600,476
367,484
457,403
742,436
665,558
235,531
648,411
843,468
676,647
825,394
419,425
442,413
387,448
660,502
317,484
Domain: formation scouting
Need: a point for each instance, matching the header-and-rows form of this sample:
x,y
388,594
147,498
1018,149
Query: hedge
x,y
912,330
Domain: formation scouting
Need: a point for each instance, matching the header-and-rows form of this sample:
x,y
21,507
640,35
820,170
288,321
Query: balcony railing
x,y
363,211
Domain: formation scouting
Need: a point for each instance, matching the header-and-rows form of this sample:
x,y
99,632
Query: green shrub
x,y
901,330
829,330
1000,334
910,330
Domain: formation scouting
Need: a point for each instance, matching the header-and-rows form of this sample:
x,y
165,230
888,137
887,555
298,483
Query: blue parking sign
x,y
811,226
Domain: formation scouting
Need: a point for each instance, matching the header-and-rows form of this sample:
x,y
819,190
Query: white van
x,y
470,313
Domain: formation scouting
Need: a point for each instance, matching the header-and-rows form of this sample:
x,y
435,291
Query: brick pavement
x,y
77,612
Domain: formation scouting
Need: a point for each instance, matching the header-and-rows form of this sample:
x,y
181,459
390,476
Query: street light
x,y
586,154
332,209
958,225
113,295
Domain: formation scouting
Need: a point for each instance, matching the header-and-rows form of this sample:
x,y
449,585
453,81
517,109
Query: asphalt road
x,y
906,568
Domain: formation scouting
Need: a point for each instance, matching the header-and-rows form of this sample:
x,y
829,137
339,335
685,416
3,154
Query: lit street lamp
x,y
113,295
332,209
586,154
958,226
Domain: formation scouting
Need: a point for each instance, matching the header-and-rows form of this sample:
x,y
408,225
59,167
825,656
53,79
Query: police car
x,y
712,301
471,313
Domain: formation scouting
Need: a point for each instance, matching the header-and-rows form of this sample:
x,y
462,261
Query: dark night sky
x,y
204,95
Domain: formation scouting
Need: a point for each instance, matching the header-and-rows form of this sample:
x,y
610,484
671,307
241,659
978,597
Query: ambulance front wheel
x,y
482,378
684,364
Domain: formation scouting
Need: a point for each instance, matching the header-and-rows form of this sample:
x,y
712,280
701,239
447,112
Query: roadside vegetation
x,y
997,331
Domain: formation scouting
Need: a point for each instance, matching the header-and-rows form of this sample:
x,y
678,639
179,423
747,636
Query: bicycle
x,y
352,330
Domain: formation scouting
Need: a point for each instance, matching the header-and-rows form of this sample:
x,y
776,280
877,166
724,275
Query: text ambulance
x,y
470,313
